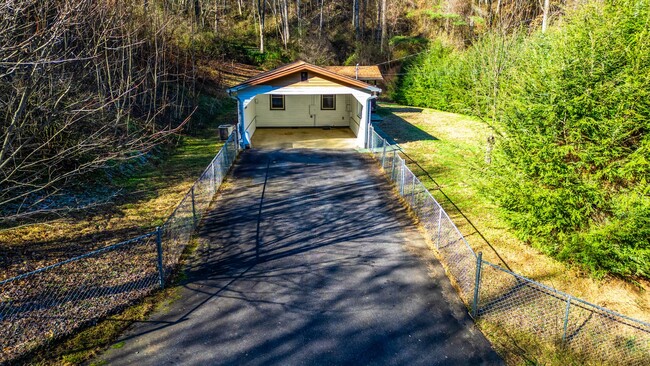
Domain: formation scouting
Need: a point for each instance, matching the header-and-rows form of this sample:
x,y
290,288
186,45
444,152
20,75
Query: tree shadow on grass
x,y
399,130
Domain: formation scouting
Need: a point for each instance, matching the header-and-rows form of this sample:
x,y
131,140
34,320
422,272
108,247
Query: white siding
x,y
354,119
295,113
301,104
249,118
337,117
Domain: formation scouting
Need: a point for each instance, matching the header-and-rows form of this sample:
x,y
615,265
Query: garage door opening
x,y
303,121
303,95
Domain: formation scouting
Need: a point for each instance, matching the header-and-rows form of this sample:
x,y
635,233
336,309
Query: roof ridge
x,y
296,66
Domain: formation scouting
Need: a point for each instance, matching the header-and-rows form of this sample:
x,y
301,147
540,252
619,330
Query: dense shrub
x,y
572,111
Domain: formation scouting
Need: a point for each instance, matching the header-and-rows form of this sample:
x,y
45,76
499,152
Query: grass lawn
x,y
452,149
144,200
147,198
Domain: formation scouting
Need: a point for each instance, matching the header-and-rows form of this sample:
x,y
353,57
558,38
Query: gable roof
x,y
364,72
299,66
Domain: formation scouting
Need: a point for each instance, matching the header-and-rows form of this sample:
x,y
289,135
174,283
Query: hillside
x,y
569,112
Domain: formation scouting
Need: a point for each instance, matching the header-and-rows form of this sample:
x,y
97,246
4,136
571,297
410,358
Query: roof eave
x,y
299,66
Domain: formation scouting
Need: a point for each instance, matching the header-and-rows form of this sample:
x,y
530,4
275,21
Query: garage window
x,y
328,101
277,102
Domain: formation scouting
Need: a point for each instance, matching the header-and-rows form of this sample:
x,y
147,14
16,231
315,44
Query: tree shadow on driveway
x,y
321,274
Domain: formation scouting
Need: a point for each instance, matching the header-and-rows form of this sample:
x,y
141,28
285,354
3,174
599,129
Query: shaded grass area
x,y
451,148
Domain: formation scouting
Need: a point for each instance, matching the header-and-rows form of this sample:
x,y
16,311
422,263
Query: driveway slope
x,y
307,258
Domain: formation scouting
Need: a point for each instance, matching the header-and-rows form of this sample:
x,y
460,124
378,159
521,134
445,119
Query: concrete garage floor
x,y
307,258
313,137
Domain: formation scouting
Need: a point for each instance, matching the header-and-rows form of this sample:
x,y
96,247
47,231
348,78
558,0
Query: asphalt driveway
x,y
307,259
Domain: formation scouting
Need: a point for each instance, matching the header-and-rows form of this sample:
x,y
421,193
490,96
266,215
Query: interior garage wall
x,y
337,117
295,113
302,111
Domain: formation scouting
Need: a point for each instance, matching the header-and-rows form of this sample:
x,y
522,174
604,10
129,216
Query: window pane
x,y
328,102
277,101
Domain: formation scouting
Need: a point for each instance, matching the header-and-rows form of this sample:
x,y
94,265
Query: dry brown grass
x,y
146,200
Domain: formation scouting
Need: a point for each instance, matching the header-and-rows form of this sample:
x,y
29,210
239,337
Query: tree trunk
x,y
320,22
261,11
545,16
285,22
384,29
355,19
298,18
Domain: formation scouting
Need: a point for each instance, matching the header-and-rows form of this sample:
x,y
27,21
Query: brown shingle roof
x,y
298,66
365,72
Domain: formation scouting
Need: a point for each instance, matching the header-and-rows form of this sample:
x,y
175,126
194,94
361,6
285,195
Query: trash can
x,y
225,131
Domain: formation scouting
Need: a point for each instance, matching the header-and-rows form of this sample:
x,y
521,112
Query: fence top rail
x,y
74,259
564,295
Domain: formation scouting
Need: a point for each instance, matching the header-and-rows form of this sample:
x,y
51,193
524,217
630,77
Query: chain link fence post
x,y
566,318
401,180
439,227
161,271
193,207
214,178
477,284
383,156
413,192
225,153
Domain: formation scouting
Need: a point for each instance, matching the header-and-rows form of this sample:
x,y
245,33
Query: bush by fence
x,y
54,301
510,301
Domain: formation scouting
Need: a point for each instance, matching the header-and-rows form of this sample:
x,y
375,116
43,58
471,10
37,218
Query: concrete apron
x,y
339,138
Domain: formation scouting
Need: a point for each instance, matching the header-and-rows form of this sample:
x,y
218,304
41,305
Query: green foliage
x,y
433,80
433,14
572,110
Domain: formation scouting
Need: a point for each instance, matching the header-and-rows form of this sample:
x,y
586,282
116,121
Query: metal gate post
x,y
392,167
236,141
401,185
413,193
383,156
193,207
161,271
566,318
225,152
477,284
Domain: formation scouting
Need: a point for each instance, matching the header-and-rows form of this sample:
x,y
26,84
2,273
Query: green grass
x,y
451,148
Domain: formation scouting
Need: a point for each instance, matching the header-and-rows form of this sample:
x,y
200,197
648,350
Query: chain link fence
x,y
54,301
589,333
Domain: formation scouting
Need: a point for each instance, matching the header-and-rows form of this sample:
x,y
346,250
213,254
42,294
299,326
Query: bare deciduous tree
x,y
83,86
